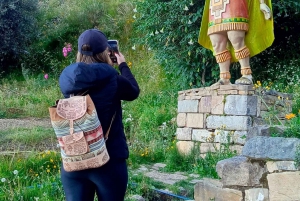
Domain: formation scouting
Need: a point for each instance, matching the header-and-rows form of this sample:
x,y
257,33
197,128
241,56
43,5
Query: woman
x,y
93,72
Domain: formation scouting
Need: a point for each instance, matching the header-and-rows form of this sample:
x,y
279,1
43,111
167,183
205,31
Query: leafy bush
x,y
171,28
16,30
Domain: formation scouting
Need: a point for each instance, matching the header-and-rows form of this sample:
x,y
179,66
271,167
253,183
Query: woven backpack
x,y
79,133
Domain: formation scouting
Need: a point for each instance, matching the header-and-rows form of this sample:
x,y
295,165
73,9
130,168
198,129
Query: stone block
x,y
217,104
274,148
209,189
236,148
239,171
223,136
278,166
200,135
181,119
257,194
230,122
239,137
195,120
284,186
228,92
209,147
185,147
188,106
196,97
205,104
237,87
184,133
241,105
181,97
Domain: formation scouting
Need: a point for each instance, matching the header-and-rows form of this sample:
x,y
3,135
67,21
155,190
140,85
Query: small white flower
x,y
191,4
162,30
133,47
3,180
135,10
151,34
149,48
15,172
189,22
186,8
156,32
128,120
36,198
134,17
191,42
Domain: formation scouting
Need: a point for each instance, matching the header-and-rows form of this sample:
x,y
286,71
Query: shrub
x,y
61,22
16,30
171,28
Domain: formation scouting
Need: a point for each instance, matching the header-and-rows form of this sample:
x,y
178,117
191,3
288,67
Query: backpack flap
x,y
75,144
72,108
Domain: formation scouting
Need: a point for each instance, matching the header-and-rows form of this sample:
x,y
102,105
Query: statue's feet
x,y
245,80
222,82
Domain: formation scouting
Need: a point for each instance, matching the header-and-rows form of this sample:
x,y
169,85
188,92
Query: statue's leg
x,y
223,56
242,53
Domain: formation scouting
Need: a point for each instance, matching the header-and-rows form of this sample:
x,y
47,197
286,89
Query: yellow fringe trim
x,y
228,27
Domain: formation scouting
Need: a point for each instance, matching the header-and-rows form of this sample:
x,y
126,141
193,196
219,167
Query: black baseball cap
x,y
95,39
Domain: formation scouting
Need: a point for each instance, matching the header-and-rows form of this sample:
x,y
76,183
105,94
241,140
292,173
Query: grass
x,y
149,124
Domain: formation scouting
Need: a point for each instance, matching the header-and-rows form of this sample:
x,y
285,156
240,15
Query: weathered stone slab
x,y
239,137
217,104
184,133
185,147
241,105
257,194
223,136
181,119
236,148
274,148
209,147
238,171
264,130
195,120
200,135
209,189
188,106
275,166
165,177
230,122
284,186
205,104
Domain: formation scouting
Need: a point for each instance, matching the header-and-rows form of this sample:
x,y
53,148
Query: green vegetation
x,y
163,64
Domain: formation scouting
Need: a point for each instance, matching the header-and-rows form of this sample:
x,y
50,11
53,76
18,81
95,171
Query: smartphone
x,y
113,48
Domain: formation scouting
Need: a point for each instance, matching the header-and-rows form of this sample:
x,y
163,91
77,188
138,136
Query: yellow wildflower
x,y
48,170
51,160
290,116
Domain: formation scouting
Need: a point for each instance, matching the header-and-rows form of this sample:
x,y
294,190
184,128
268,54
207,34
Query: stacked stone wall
x,y
264,169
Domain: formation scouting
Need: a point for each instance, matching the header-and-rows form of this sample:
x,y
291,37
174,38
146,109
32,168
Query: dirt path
x,y
24,123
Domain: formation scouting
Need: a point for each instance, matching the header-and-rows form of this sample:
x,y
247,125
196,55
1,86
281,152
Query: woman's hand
x,y
120,58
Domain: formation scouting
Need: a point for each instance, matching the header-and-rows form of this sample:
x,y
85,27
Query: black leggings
x,y
109,182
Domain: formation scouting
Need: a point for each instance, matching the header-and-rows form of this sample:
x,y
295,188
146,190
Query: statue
x,y
236,30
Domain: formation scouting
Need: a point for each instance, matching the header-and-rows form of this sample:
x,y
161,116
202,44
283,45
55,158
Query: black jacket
x,y
107,88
